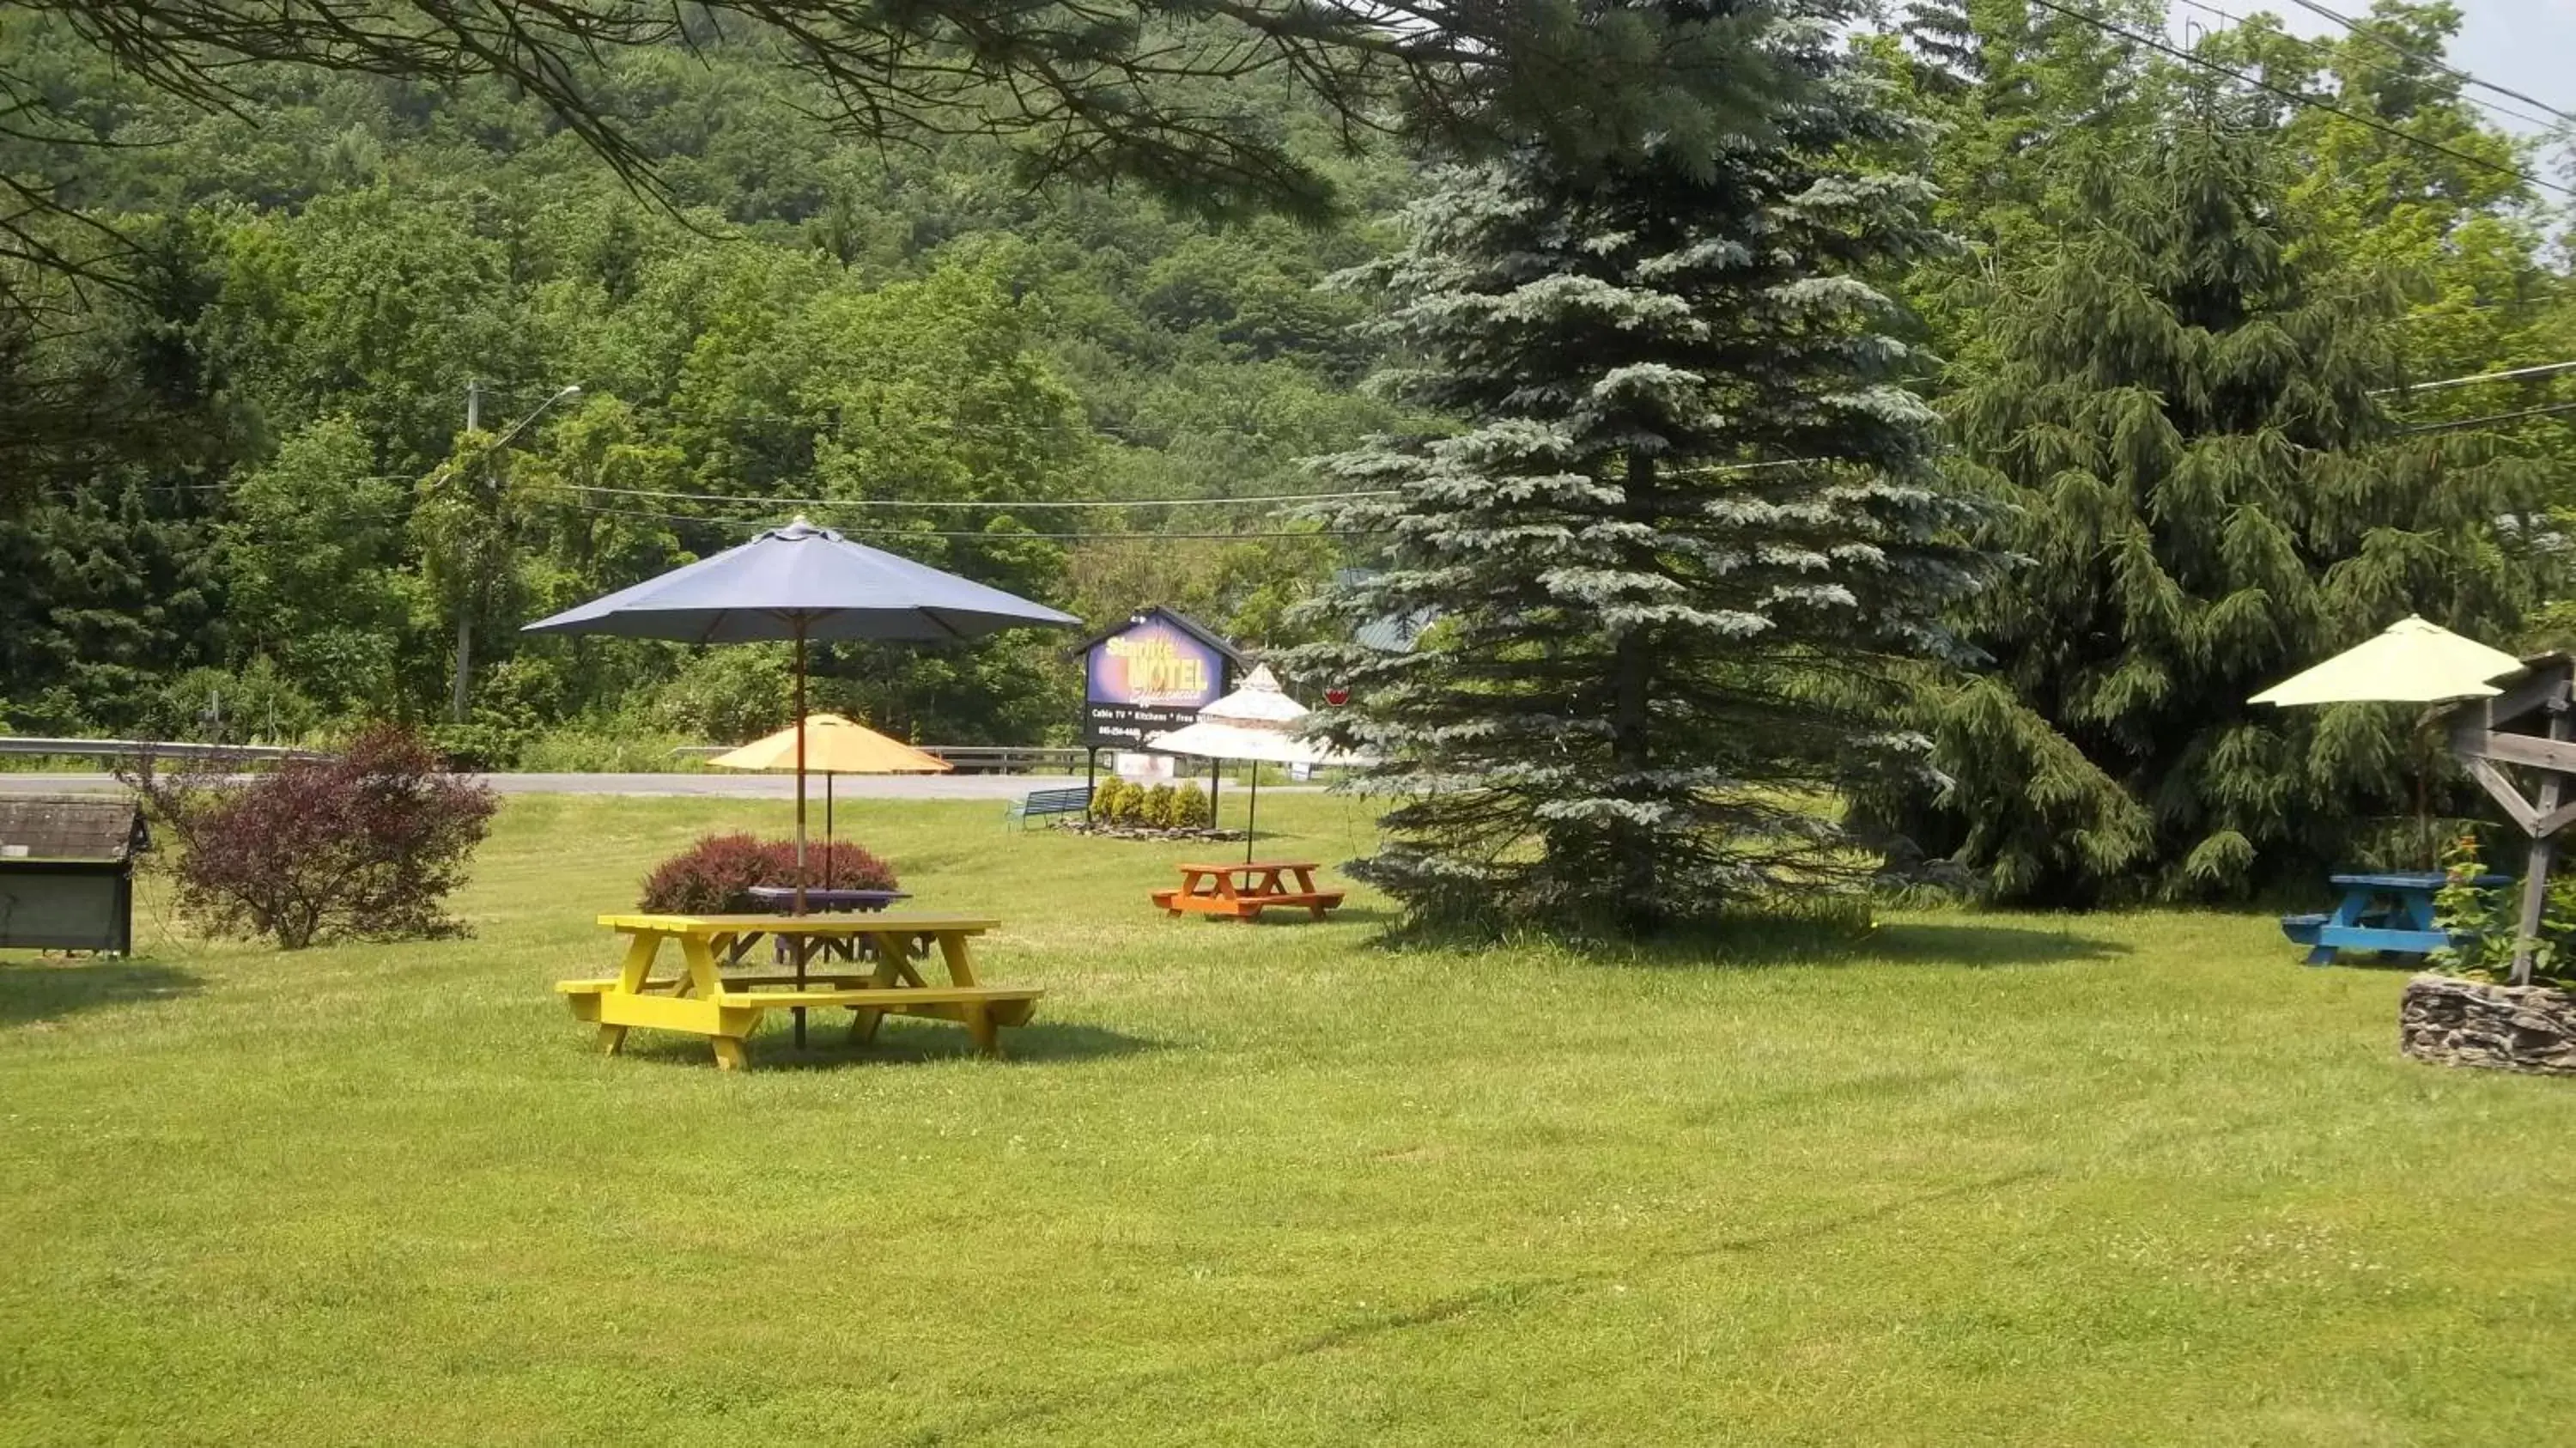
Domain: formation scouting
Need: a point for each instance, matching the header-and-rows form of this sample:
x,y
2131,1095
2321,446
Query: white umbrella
x,y
1257,722
2410,662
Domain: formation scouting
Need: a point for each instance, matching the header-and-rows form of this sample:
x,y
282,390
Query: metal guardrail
x,y
1009,758
973,758
157,748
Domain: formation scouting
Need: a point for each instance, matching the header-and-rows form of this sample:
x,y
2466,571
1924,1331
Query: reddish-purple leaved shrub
x,y
364,845
715,875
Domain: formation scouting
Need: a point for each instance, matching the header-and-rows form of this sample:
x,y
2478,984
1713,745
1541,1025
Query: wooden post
x,y
2535,870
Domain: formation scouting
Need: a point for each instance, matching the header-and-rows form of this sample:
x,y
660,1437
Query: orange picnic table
x,y
1242,891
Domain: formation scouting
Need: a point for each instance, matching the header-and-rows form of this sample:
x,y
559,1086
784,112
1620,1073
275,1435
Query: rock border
x,y
1099,831
2454,1022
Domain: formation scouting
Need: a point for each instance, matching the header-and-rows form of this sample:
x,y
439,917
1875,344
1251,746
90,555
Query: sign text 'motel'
x,y
1150,675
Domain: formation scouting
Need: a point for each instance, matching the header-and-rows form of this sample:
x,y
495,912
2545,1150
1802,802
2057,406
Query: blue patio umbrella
x,y
800,583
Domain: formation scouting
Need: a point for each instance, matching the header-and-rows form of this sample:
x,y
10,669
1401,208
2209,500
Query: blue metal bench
x,y
1043,802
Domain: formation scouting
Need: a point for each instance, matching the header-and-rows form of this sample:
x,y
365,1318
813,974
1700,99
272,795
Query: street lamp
x,y
521,425
465,611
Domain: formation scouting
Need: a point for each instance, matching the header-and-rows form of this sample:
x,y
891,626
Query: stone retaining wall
x,y
2505,1027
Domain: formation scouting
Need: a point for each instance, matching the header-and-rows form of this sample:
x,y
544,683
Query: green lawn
x,y
1994,1179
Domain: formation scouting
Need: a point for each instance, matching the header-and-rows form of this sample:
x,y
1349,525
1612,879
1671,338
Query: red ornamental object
x,y
1337,697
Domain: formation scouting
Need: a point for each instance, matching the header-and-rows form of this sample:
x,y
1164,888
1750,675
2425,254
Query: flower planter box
x,y
2503,1027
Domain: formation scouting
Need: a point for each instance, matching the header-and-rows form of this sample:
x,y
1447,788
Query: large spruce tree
x,y
2205,495
1689,521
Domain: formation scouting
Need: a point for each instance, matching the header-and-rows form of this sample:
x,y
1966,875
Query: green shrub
x,y
1107,798
1159,804
1131,805
257,704
1190,809
2486,923
612,748
728,695
481,746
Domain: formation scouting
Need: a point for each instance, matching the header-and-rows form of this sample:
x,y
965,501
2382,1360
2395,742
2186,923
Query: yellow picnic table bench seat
x,y
702,1000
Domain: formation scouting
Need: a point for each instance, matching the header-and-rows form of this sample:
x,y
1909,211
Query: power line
x,y
757,523
2109,27
973,503
833,426
2319,45
2436,62
2541,370
2469,422
927,503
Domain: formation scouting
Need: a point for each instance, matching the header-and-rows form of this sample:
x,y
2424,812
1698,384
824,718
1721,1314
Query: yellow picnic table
x,y
703,1000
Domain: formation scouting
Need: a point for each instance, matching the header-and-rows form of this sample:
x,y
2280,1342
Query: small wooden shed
x,y
67,871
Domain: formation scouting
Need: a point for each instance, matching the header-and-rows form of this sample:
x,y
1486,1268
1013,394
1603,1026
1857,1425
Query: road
x,y
713,786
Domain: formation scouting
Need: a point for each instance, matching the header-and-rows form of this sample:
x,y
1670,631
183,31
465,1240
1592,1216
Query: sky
x,y
2527,45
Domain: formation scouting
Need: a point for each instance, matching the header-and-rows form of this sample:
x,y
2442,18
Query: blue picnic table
x,y
2389,913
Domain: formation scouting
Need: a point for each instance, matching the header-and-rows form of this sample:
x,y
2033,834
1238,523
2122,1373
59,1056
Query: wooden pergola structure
x,y
2529,728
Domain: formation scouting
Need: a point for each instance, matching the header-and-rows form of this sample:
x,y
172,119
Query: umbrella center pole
x,y
801,944
800,767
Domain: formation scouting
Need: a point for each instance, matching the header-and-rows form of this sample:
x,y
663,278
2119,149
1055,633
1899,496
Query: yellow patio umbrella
x,y
833,745
2410,662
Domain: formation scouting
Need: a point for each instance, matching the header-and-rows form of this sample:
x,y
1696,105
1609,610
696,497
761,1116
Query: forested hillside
x,y
299,442
914,346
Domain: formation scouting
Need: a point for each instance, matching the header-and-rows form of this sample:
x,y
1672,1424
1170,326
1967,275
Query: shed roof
x,y
1393,634
72,827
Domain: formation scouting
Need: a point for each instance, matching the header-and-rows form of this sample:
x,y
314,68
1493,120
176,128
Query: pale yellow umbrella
x,y
833,745
2410,662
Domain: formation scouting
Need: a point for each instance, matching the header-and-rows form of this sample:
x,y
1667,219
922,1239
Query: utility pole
x,y
489,485
465,607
